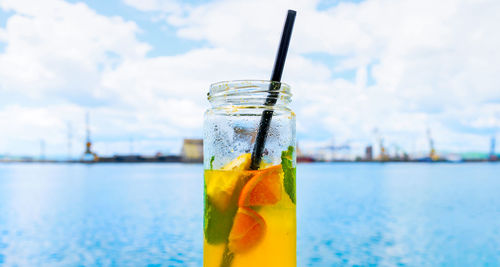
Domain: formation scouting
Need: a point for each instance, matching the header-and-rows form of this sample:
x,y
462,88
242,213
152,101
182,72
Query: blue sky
x,y
160,36
400,67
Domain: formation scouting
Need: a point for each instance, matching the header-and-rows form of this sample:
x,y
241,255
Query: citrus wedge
x,y
248,229
221,185
264,188
240,163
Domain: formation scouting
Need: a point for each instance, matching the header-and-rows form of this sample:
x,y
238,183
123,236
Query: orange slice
x,y
248,229
264,188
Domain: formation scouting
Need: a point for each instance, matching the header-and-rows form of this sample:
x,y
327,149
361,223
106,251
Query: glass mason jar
x,y
249,213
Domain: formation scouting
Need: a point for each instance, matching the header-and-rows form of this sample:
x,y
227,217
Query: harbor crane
x,y
383,156
88,155
432,153
493,156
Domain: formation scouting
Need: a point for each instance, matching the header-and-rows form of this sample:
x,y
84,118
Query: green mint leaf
x,y
212,162
218,223
289,172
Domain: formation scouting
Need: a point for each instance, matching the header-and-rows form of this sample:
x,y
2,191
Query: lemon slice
x,y
221,185
240,163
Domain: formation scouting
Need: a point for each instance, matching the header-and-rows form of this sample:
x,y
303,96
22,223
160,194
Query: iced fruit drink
x,y
250,215
249,204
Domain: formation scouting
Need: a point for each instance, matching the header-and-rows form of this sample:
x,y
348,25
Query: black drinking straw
x,y
267,115
265,121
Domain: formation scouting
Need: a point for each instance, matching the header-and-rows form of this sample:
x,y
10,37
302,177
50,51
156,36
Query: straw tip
x,y
292,12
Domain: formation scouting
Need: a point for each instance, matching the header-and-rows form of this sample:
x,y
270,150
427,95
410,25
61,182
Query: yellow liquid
x,y
277,246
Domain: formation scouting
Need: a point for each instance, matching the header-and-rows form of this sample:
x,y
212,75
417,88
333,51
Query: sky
x,y
142,68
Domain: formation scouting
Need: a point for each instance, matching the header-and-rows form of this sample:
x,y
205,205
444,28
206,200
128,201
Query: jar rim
x,y
235,87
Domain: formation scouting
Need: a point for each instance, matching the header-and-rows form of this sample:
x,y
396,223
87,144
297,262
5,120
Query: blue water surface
x,y
348,214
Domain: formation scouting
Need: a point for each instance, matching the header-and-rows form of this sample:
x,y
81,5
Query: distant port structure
x,y
88,155
192,152
492,156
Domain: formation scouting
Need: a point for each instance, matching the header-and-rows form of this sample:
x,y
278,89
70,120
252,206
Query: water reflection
x,y
64,215
348,214
399,214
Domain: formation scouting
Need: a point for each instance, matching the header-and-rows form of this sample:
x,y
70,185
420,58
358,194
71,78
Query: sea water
x,y
347,214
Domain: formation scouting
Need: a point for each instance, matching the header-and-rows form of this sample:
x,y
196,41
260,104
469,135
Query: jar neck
x,y
249,93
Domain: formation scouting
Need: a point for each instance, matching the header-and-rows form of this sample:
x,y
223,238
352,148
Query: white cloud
x,y
418,64
54,46
427,59
61,55
156,5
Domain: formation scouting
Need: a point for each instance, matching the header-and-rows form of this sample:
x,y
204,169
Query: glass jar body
x,y
250,214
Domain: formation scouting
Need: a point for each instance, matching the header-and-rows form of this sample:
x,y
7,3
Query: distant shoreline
x,y
181,162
